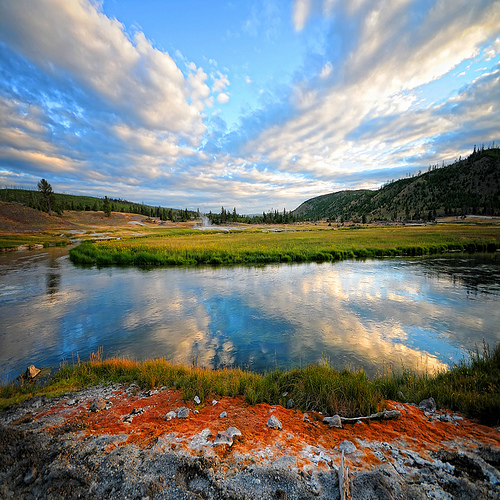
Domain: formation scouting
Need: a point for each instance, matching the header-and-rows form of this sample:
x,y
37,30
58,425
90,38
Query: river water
x,y
424,313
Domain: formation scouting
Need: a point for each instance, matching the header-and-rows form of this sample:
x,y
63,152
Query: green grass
x,y
13,241
471,387
251,247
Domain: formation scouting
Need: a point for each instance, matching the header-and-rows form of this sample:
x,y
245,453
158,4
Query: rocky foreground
x,y
121,442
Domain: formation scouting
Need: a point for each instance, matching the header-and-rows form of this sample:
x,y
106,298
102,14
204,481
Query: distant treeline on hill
x,y
468,186
33,199
271,217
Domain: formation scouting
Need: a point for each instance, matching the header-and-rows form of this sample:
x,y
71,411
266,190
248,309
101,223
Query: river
x,y
421,313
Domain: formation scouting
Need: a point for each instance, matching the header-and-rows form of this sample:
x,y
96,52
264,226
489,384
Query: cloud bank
x,y
374,89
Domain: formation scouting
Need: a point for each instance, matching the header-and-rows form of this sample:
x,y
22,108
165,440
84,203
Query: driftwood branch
x,y
344,485
381,415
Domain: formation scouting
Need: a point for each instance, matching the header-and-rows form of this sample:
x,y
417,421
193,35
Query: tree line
x,y
46,200
271,217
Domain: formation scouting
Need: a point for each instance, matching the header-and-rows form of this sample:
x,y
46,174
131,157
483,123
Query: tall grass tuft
x,y
471,386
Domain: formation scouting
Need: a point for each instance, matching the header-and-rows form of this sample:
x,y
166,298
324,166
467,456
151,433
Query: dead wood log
x,y
381,415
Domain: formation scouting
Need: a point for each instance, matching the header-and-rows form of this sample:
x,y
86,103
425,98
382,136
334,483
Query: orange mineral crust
x,y
142,418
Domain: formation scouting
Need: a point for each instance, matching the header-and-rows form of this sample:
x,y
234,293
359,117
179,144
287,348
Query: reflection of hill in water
x,y
479,274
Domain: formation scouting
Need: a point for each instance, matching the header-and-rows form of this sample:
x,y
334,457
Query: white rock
x,y
197,400
274,423
233,431
223,438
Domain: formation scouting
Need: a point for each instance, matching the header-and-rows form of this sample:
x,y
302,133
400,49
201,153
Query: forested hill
x,y
469,186
62,202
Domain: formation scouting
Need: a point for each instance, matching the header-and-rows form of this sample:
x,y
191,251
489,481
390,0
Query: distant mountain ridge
x,y
469,186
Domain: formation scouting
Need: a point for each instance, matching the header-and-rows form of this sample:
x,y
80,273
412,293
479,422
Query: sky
x,y
256,105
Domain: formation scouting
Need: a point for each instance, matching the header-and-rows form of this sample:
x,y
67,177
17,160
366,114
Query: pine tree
x,y
48,196
106,207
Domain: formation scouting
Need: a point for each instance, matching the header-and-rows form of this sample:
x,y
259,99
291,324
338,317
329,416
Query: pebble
x,y
30,476
223,437
347,446
182,412
98,405
197,400
223,414
427,405
274,423
233,431
334,421
170,415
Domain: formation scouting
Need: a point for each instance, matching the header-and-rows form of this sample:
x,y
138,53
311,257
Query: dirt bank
x,y
130,448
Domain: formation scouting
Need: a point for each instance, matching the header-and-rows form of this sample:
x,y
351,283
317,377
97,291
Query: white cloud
x,y
326,71
220,83
379,78
222,98
301,10
74,37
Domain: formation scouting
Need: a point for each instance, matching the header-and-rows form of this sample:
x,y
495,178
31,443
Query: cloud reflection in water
x,y
352,313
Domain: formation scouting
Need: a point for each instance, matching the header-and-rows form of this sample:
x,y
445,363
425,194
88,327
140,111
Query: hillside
x,y
469,186
63,202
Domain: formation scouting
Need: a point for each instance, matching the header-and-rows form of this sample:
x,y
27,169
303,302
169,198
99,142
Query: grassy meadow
x,y
191,247
471,387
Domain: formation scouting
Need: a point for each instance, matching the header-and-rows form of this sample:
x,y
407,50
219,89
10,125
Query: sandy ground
x,y
129,449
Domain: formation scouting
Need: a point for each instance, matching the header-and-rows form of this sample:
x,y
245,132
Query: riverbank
x,y
471,386
122,429
121,441
315,245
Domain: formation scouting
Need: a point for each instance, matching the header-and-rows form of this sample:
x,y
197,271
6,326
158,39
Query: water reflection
x,y
416,313
53,276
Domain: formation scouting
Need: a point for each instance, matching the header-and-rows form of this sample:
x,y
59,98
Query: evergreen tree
x,y
106,207
48,196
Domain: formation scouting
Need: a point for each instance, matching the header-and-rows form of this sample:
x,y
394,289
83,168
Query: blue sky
x,y
255,105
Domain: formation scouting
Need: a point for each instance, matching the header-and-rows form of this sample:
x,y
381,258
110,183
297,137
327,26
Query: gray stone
x,y
223,437
223,414
290,403
427,405
182,412
285,461
30,476
98,404
170,415
274,423
197,400
334,421
347,446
